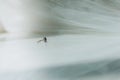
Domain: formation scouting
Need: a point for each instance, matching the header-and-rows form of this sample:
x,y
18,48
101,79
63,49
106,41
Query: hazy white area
x,y
83,40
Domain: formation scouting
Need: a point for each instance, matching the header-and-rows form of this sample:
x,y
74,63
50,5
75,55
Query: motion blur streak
x,y
60,16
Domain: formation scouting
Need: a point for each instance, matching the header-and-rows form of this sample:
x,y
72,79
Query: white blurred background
x,y
83,39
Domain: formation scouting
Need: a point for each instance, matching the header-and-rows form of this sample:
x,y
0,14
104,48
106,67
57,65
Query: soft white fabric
x,y
84,42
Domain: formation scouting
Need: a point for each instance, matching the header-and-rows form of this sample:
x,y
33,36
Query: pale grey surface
x,y
66,57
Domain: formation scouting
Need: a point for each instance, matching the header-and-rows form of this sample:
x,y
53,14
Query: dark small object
x,y
44,39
